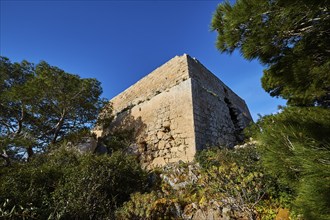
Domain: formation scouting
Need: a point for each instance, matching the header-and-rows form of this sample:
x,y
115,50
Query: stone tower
x,y
177,109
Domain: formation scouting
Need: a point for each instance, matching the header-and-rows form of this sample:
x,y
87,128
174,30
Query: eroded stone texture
x,y
177,109
219,114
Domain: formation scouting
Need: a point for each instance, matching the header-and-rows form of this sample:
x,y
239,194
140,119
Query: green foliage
x,y
295,147
119,140
244,157
75,137
30,184
223,179
239,174
98,185
105,117
64,184
40,104
149,206
16,212
289,37
67,103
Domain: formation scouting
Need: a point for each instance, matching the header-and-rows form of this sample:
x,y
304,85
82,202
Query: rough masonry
x,y
177,109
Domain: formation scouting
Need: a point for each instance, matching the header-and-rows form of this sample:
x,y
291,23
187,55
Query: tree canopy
x,y
294,147
291,38
40,104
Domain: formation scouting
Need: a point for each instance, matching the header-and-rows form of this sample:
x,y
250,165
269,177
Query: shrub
x,y
237,177
27,187
149,206
228,178
246,157
295,148
98,185
64,184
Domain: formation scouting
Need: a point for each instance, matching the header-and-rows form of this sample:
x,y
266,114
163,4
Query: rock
x,y
213,214
182,148
173,160
161,153
161,145
155,154
168,145
167,136
167,124
199,215
226,213
87,144
141,140
158,162
154,139
160,134
179,141
101,149
154,147
188,211
217,215
283,214
174,149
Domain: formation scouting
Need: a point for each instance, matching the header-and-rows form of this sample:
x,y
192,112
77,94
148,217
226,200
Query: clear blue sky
x,y
119,42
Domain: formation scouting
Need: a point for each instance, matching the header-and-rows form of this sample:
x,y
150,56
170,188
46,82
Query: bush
x,y
238,174
29,185
228,178
149,206
64,184
244,157
295,148
97,186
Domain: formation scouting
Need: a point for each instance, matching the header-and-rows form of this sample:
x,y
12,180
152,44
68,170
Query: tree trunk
x,y
5,156
30,152
58,127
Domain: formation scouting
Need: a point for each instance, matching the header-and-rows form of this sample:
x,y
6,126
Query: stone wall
x,y
160,107
219,114
177,109
163,78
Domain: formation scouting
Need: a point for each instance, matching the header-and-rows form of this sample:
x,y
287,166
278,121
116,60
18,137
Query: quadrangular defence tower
x,y
177,109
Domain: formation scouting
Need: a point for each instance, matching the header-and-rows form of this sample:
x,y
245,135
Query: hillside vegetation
x,y
282,172
290,38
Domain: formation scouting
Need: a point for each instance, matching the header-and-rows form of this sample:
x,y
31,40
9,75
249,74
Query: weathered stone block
x,y
158,162
161,145
160,134
174,149
167,136
167,124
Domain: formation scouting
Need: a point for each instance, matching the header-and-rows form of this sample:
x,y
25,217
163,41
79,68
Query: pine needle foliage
x,y
290,38
295,147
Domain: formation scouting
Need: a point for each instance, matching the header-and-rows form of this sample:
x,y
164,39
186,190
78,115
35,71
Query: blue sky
x,y
119,42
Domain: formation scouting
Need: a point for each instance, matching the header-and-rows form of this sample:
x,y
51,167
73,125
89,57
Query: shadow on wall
x,y
124,133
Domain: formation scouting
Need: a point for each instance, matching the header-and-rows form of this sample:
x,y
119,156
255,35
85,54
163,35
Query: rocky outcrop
x,y
179,176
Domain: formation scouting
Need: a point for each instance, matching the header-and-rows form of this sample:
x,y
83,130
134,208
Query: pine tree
x,y
41,104
290,38
295,148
